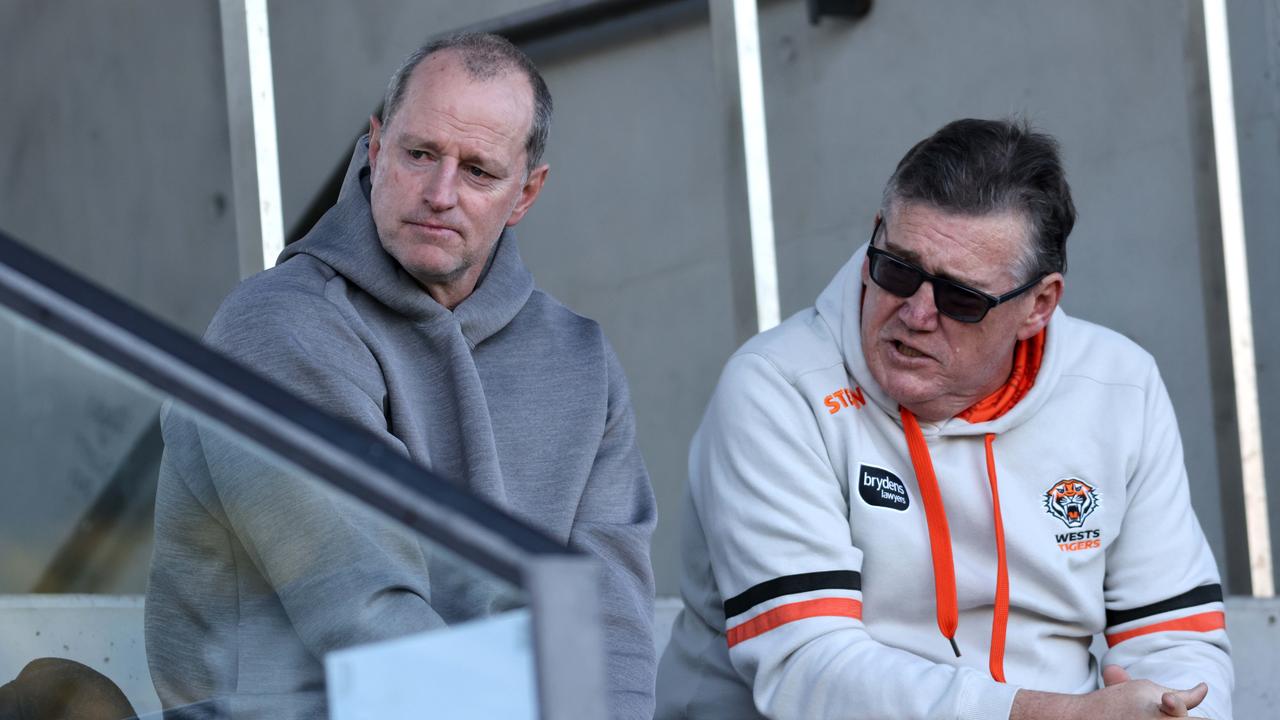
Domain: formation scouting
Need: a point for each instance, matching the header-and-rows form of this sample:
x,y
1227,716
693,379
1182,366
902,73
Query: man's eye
x,y
418,154
477,172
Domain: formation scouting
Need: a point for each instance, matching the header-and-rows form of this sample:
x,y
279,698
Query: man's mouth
x,y
907,350
429,224
433,227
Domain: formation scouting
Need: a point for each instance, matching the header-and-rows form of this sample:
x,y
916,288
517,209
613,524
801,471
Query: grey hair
x,y
979,167
485,56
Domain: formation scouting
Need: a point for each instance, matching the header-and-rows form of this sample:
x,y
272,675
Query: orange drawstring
x,y
1027,357
1000,621
944,574
944,578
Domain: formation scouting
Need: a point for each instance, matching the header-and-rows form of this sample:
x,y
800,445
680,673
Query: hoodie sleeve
x,y
614,522
322,552
777,529
1165,615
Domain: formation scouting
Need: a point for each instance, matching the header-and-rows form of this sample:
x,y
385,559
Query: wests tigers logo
x,y
1072,501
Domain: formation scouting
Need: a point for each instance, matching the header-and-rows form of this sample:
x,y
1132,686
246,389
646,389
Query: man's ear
x,y
375,140
528,193
1044,300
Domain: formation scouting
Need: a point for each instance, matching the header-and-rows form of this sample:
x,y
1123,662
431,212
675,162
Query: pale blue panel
x,y
480,669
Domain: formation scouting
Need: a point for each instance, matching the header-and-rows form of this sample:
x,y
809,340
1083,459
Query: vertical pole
x,y
735,36
1239,311
251,115
568,637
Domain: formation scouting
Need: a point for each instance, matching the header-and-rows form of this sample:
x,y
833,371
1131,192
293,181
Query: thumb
x,y
1176,703
1114,675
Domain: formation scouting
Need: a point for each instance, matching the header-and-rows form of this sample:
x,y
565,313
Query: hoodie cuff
x,y
986,699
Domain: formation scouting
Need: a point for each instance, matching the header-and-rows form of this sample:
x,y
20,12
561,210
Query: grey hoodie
x,y
258,572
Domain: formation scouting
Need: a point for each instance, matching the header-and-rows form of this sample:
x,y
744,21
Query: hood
x,y
840,305
346,240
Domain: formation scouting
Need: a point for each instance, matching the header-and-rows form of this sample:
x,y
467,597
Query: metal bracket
x,y
849,9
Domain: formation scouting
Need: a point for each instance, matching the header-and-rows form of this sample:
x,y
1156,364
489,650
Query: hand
x,y
1122,698
1173,703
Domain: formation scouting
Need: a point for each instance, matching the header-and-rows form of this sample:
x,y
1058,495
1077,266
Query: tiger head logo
x,y
1072,501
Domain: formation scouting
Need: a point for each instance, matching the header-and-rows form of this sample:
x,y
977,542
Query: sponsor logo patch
x,y
880,487
1079,540
844,398
1072,501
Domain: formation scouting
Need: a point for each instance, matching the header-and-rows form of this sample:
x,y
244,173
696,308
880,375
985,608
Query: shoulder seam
x,y
791,379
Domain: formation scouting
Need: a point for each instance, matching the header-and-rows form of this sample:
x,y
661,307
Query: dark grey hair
x,y
978,167
485,57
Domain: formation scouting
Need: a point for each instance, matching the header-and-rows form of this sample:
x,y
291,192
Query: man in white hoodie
x,y
924,496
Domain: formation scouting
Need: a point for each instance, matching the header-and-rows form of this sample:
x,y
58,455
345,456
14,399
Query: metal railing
x,y
561,584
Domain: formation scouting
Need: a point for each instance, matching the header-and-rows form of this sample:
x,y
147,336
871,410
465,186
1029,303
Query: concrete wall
x,y
122,168
115,164
1255,51
1113,81
116,160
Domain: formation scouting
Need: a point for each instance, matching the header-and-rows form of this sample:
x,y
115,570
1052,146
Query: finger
x,y
1194,696
1114,675
1176,703
1172,705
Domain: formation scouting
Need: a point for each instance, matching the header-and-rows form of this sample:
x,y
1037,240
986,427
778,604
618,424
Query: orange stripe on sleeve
x,y
783,614
1204,622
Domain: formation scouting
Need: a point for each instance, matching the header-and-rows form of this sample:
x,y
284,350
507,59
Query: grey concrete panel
x,y
1109,80
629,230
1255,55
116,161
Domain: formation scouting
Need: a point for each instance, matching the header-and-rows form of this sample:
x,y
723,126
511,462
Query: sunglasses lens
x,y
901,280
958,303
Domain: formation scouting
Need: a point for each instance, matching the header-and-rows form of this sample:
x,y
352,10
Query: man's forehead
x,y
450,69
973,249
496,111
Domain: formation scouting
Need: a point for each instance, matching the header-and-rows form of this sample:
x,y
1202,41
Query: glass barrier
x,y
177,532
255,572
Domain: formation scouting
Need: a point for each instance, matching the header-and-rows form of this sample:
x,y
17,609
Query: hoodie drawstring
x,y
1000,620
944,572
944,577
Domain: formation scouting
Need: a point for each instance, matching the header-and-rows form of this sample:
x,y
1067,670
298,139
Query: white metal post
x,y
735,36
1239,311
251,112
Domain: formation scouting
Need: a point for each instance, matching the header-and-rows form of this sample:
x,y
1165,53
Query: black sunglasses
x,y
958,302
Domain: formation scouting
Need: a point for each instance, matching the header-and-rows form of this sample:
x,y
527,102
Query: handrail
x,y
562,583
337,452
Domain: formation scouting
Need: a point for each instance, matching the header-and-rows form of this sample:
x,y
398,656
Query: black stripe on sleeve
x,y
1196,596
791,584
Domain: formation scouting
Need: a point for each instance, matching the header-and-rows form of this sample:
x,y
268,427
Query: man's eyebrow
x,y
480,160
914,258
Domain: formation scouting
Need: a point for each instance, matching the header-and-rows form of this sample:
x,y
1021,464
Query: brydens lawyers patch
x,y
880,487
1072,501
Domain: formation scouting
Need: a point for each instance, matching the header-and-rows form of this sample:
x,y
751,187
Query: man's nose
x,y
920,312
441,188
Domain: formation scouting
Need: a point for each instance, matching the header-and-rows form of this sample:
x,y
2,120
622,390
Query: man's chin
x,y
430,265
908,390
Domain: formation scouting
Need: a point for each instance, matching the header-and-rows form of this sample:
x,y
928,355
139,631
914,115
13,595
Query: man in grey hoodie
x,y
408,311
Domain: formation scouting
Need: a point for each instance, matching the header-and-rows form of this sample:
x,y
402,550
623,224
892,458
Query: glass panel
x,y
254,570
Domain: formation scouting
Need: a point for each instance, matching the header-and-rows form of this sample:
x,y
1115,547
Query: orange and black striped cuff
x,y
790,612
1196,622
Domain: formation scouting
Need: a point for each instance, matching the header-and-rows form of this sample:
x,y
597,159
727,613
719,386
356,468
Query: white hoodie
x,y
805,525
